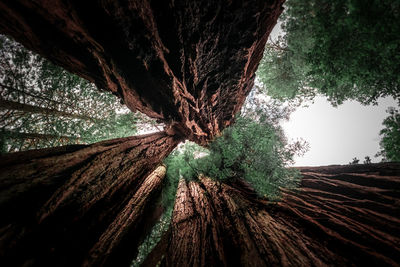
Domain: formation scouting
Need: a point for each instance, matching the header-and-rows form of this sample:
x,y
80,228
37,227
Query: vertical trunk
x,y
19,135
340,216
116,246
27,108
23,92
20,141
56,203
183,62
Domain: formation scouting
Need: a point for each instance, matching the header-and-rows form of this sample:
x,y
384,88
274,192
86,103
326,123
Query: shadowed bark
x,y
116,245
58,204
340,216
188,63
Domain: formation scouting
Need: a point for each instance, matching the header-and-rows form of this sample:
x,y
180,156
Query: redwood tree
x,y
340,216
184,62
57,203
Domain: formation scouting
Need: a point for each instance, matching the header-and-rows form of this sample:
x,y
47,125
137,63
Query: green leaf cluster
x,y
390,142
253,150
29,80
342,49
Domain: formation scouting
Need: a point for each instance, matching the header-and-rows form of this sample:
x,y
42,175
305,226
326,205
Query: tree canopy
x,y
390,142
342,49
42,105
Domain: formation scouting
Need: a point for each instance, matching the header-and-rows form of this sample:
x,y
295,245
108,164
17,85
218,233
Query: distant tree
x,y
42,105
342,49
390,142
355,161
367,160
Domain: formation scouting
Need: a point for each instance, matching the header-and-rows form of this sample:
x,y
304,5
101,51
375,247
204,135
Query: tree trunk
x,y
58,204
13,89
188,63
27,108
19,135
116,246
340,216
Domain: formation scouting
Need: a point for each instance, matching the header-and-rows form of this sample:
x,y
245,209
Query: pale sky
x,y
337,135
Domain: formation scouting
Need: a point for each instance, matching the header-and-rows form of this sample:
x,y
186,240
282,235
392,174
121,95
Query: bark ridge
x,y
339,216
56,203
190,64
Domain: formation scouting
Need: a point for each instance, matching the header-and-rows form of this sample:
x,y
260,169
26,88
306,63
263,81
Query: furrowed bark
x,y
340,216
116,245
188,63
356,208
57,203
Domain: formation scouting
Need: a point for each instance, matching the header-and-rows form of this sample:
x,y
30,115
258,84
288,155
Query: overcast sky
x,y
336,135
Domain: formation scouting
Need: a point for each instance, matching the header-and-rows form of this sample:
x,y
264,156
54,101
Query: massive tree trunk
x,y
58,204
339,216
188,63
117,245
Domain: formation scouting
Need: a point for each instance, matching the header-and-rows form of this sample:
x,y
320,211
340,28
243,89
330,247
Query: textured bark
x,y
188,63
340,216
116,245
356,208
58,204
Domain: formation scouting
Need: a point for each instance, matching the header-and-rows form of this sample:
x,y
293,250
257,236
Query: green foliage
x,y
342,49
181,163
152,239
28,79
390,142
252,150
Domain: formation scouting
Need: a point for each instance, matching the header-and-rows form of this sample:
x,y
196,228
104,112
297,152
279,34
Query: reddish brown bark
x,y
188,63
57,203
339,216
117,243
356,208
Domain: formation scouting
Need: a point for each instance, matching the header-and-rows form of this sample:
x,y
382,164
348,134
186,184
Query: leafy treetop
x,y
342,49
